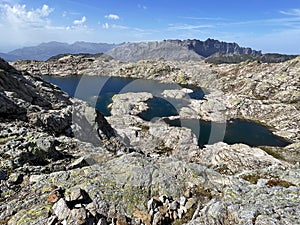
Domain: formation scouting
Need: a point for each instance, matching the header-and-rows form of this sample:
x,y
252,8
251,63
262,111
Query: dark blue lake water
x,y
98,91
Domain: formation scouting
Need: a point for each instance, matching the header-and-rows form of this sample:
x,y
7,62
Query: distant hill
x,y
46,50
8,57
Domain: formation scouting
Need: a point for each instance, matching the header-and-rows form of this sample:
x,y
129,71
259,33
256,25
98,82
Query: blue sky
x,y
267,25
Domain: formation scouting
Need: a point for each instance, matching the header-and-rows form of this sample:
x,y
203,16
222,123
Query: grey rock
x,y
77,216
101,207
28,97
180,213
157,218
130,103
76,194
61,210
232,184
149,137
190,203
177,94
153,203
182,200
52,220
14,178
102,221
45,144
174,205
231,159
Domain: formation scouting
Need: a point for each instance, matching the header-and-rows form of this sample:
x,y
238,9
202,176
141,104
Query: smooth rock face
x,y
231,159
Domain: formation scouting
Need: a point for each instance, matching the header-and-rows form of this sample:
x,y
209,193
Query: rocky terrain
x,y
62,162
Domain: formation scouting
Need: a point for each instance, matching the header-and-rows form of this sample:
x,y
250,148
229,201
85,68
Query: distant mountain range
x,y
211,50
46,50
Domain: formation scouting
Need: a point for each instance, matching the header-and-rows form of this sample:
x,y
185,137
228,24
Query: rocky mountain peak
x,y
178,50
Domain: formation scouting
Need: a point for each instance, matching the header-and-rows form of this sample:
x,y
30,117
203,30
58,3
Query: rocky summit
x,y
63,162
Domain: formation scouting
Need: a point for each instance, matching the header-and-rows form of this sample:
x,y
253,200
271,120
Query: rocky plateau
x,y
63,162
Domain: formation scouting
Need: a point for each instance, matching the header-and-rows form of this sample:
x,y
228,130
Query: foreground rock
x,y
42,131
122,186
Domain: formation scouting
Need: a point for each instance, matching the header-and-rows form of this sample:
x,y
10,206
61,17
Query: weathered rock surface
x,y
40,131
46,177
149,137
125,183
234,208
232,159
41,104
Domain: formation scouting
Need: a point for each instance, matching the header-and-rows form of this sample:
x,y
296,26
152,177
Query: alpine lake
x,y
98,91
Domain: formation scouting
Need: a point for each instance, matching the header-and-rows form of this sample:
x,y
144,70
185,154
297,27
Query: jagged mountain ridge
x,y
211,46
178,50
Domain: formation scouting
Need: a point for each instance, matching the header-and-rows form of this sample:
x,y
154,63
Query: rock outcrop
x,y
153,138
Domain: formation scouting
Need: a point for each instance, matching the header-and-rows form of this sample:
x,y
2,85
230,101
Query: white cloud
x,y
142,6
112,17
291,12
18,16
105,26
80,22
188,27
